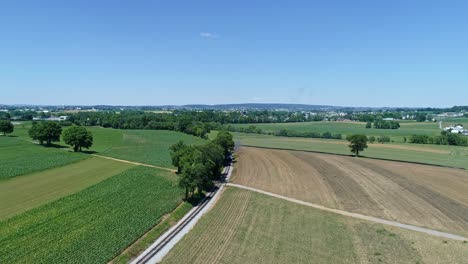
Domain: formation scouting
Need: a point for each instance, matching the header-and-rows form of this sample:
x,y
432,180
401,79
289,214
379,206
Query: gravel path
x,y
359,216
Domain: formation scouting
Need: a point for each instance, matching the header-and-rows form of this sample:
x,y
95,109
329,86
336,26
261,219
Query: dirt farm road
x,y
359,216
135,163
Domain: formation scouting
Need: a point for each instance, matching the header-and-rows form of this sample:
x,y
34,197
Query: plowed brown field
x,y
426,196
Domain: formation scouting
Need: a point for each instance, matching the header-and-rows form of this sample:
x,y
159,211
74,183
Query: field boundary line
x,y
134,163
115,159
354,215
364,157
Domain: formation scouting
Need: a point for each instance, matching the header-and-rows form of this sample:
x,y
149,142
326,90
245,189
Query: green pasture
x,y
145,146
407,128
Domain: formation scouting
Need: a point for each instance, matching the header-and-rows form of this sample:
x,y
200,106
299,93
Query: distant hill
x,y
278,106
264,106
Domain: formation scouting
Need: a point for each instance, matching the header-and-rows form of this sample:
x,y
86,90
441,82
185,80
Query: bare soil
x,y
421,195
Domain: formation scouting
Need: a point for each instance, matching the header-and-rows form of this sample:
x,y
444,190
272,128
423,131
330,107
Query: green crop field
x,y
144,242
432,154
19,157
24,193
93,225
247,227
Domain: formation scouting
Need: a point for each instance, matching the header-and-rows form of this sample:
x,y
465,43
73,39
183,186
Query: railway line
x,y
161,246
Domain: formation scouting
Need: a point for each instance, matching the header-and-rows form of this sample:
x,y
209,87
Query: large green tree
x,y
47,132
357,143
178,150
6,127
78,137
224,139
213,155
199,165
196,171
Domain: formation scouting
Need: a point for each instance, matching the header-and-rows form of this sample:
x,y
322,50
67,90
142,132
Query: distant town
x,y
270,113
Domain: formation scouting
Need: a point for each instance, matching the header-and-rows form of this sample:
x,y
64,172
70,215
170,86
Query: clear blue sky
x,y
353,53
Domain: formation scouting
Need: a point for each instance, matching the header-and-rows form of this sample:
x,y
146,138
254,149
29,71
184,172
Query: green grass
x,y
451,156
19,157
248,227
142,244
24,193
105,138
145,146
407,128
93,225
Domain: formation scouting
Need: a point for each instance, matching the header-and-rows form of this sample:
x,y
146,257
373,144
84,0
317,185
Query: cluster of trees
x,y
384,124
293,133
18,115
4,115
421,117
6,127
368,117
381,139
198,166
47,132
445,138
187,122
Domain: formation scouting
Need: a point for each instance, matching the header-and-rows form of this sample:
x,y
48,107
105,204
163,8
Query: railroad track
x,y
146,256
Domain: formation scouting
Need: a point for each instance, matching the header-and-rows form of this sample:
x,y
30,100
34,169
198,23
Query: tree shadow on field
x,y
12,136
52,145
196,199
89,152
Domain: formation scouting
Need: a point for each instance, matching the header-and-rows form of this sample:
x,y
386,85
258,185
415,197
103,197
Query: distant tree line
x,y
381,139
368,117
445,138
293,133
18,115
384,124
281,133
197,123
126,119
198,166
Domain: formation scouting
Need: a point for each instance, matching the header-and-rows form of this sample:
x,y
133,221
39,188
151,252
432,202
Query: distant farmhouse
x,y
52,118
456,129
